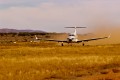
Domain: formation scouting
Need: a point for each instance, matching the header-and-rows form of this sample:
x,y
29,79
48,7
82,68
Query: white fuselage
x,y
72,38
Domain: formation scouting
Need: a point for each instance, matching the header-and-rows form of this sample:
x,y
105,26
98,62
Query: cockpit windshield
x,y
71,35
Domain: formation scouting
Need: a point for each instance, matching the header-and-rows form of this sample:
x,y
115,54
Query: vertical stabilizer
x,y
75,32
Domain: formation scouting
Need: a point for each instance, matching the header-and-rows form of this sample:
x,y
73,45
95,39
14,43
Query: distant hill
x,y
6,30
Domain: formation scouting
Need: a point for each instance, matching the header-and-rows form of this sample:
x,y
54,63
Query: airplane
x,y
73,38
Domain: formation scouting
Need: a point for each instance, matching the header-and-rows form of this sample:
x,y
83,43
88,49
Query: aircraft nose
x,y
70,39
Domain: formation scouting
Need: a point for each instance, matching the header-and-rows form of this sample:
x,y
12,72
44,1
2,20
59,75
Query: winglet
x,y
109,36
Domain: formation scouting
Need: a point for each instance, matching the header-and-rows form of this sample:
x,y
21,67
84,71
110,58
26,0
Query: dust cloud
x,y
104,27
112,31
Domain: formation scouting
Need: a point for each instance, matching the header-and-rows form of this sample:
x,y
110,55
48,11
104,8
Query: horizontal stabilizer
x,y
75,27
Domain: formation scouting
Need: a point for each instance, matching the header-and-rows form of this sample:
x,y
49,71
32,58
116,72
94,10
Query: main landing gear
x,y
62,44
83,44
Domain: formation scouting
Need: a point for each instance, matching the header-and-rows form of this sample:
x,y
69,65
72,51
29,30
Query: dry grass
x,y
49,61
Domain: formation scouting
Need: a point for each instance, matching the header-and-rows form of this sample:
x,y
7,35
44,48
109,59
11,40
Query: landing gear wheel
x,y
83,44
62,44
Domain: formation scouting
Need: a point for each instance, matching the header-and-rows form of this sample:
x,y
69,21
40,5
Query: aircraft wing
x,y
54,40
92,39
49,39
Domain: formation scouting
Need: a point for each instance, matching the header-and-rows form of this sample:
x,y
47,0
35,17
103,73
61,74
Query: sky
x,y
54,15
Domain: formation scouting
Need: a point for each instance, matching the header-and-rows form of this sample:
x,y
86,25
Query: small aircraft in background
x,y
72,38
